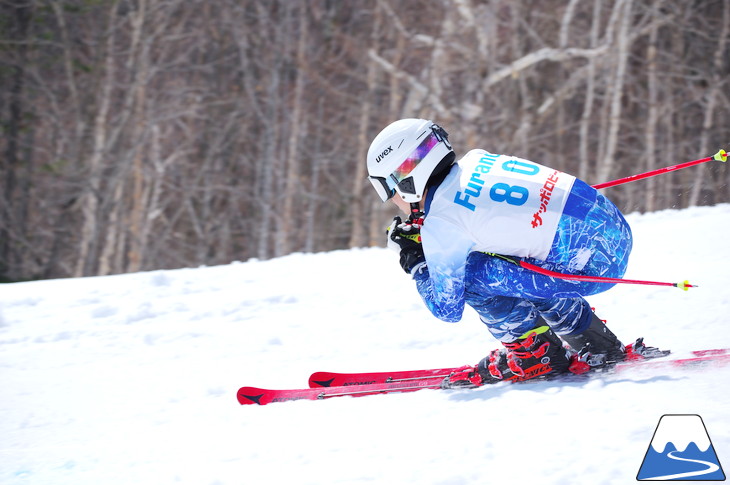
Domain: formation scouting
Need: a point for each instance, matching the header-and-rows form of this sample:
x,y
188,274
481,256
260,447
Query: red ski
x,y
327,379
330,384
699,358
333,379
255,395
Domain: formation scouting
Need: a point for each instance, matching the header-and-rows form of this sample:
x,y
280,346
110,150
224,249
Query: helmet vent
x,y
407,186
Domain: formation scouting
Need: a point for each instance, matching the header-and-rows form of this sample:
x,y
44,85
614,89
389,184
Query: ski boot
x,y
538,353
598,347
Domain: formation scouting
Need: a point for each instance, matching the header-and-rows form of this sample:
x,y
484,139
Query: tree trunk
x,y
652,112
288,223
89,200
715,82
584,154
614,121
9,201
359,200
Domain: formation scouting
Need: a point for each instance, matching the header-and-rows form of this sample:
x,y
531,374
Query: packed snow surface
x,y
132,379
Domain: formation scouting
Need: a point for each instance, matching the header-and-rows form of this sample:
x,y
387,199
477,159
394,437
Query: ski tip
x,y
250,395
321,379
321,383
720,156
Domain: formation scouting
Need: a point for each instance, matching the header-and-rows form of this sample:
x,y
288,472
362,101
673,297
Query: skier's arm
x,y
440,281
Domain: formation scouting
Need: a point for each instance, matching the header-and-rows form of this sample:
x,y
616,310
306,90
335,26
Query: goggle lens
x,y
381,187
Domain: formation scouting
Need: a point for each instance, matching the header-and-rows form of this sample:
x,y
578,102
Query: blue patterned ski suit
x,y
514,207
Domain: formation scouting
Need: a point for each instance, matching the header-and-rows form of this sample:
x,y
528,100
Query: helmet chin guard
x,y
404,156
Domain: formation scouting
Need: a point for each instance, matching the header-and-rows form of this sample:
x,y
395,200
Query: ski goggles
x,y
385,186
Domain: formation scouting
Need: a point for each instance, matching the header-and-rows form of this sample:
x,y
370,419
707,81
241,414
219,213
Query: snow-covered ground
x,y
132,379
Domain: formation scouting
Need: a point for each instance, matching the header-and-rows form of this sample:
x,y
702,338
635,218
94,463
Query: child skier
x,y
469,225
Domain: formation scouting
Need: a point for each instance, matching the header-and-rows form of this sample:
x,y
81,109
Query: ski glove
x,y
405,238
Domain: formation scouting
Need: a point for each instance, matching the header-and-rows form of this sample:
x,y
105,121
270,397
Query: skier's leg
x,y
507,318
531,348
574,320
565,315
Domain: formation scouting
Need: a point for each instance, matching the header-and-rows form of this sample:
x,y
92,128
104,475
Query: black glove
x,y
405,237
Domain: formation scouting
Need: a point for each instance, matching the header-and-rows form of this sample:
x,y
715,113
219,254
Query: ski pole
x,y
600,279
720,156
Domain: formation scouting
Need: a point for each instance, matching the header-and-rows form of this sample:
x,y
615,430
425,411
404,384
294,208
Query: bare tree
x,y
715,82
143,134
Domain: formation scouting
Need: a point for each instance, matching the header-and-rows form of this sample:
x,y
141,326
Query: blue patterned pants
x,y
593,238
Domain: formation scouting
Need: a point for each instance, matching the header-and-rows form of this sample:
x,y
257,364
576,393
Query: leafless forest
x,y
146,134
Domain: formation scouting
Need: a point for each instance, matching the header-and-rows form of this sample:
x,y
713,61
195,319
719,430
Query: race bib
x,y
509,205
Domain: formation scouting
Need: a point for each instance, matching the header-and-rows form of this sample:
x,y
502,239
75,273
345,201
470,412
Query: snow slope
x,y
132,379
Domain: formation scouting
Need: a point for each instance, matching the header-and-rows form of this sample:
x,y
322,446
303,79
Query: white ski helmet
x,y
404,156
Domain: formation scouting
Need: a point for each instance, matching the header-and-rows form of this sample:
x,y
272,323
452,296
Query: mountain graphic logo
x,y
681,450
